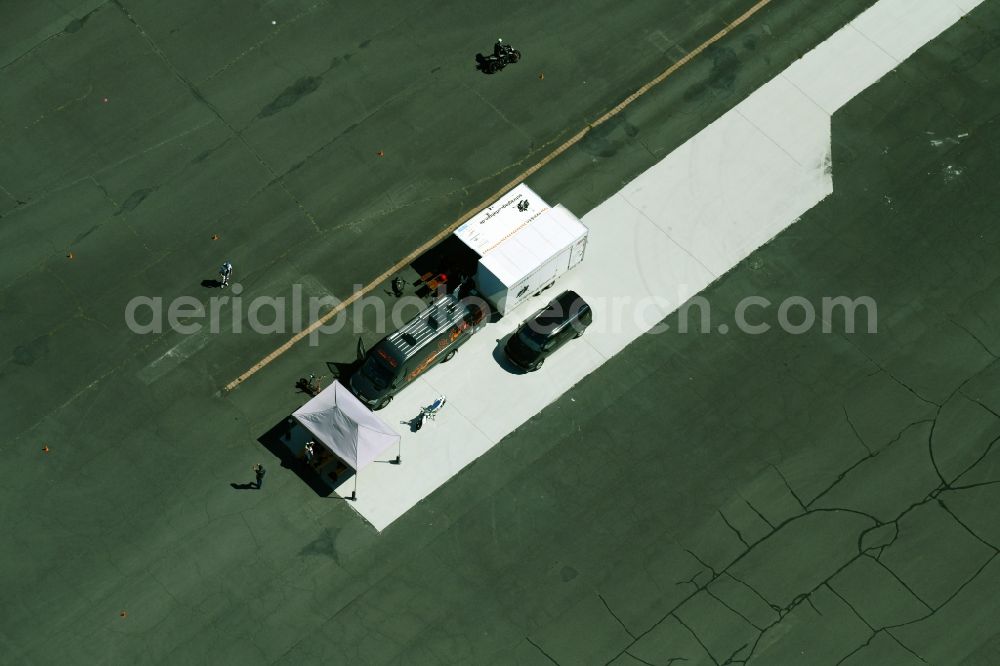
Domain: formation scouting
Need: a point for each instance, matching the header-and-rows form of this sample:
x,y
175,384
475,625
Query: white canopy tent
x,y
344,425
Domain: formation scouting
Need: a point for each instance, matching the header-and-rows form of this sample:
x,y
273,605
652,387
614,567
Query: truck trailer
x,y
523,245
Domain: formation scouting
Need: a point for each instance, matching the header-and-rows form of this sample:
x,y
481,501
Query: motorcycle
x,y
427,413
503,55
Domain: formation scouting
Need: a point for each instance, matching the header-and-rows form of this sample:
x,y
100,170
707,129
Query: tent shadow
x,y
286,440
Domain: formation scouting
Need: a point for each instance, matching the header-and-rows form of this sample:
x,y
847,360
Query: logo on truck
x,y
388,359
442,344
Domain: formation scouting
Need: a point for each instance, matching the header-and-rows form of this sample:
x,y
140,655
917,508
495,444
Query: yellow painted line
x,y
493,197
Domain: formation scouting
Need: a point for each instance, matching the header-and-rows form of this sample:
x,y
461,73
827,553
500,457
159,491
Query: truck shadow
x,y
450,257
342,371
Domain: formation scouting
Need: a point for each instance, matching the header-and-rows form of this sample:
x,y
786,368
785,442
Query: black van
x,y
432,337
566,317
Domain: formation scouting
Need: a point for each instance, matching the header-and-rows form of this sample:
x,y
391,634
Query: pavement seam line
x,y
437,238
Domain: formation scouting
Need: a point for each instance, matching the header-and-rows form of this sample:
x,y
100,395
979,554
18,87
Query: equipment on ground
x,y
429,412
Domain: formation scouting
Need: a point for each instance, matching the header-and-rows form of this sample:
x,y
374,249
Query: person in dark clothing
x,y
397,286
259,472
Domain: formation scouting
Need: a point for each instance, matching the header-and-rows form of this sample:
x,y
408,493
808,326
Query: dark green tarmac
x,y
804,497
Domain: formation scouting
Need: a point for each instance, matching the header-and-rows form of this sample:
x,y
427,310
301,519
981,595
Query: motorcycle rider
x,y
503,54
500,49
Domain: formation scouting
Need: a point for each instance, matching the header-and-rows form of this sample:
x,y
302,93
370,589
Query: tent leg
x,y
354,493
399,454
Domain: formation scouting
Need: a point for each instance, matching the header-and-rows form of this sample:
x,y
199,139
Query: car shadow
x,y
501,358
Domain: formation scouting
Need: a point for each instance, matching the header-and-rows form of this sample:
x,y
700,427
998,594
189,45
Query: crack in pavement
x,y
500,113
855,431
702,563
717,598
787,485
615,615
903,645
972,485
539,648
901,582
805,597
886,371
56,35
883,542
196,93
966,527
731,658
270,36
776,608
859,648
730,526
691,631
930,444
974,337
946,601
981,404
643,661
875,454
851,606
60,107
754,509
880,547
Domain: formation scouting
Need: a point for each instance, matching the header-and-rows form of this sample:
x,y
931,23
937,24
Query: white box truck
x,y
524,245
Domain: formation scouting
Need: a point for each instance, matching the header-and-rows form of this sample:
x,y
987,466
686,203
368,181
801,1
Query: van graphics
x,y
442,344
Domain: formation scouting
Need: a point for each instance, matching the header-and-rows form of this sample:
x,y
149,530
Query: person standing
x,y
225,272
397,286
310,453
259,473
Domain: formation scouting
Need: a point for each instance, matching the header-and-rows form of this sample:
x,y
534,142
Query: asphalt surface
x,y
804,497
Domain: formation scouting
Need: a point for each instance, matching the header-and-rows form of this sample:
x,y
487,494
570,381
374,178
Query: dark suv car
x,y
566,317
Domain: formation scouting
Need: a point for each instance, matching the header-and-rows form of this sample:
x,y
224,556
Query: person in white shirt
x,y
225,272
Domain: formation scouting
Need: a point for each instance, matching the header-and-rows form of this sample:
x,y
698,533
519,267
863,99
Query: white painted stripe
x,y
173,357
662,239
